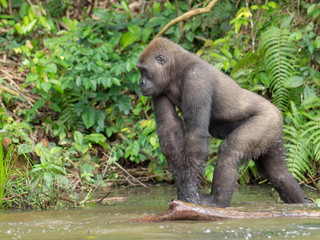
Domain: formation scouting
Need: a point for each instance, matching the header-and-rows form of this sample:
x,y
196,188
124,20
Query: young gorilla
x,y
212,104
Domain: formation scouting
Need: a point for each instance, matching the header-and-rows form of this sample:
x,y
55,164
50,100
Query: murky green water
x,y
109,222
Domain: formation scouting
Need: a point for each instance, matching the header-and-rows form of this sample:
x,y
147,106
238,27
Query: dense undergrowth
x,y
71,112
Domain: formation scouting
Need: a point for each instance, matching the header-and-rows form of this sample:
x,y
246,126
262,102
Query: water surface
x,y
109,222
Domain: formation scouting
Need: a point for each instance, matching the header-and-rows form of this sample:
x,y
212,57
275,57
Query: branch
x,y
15,196
179,210
187,15
16,93
126,172
314,183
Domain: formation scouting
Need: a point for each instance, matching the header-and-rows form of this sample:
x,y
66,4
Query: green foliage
x,y
34,17
299,151
87,82
314,137
4,3
303,142
247,172
242,18
49,177
6,163
16,132
87,77
49,174
279,55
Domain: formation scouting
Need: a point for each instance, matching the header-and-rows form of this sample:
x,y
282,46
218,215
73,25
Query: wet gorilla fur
x,y
211,104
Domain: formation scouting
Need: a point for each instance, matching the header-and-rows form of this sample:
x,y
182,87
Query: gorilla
x,y
211,104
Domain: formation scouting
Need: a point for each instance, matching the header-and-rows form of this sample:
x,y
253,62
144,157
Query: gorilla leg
x,y
248,141
271,166
224,180
196,151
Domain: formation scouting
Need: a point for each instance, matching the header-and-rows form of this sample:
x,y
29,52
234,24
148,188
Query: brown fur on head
x,y
157,45
155,64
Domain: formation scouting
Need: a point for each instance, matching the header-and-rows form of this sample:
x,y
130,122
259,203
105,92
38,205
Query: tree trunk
x,y
179,210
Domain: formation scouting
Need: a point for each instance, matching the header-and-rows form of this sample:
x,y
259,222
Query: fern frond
x,y
313,131
298,152
248,61
70,116
222,9
279,58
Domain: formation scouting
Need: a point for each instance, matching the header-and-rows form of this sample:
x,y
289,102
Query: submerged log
x,y
179,210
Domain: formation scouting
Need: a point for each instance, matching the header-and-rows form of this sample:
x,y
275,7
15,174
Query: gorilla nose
x,y
142,81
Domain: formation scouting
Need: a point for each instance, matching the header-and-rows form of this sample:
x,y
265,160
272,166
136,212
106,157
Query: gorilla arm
x,y
186,155
171,137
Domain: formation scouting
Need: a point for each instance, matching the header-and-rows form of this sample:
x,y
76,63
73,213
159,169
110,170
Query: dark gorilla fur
x,y
212,104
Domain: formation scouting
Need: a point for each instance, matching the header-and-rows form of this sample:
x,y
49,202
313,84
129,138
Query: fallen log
x,y
179,210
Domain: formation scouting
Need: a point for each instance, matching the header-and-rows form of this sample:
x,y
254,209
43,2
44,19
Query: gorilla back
x,y
212,104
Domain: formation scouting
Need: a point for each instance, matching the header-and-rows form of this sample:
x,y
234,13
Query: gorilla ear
x,y
161,59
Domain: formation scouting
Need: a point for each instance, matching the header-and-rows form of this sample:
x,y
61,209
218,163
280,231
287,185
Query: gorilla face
x,y
152,70
146,85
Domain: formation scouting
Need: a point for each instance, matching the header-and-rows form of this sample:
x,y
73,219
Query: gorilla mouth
x,y
147,92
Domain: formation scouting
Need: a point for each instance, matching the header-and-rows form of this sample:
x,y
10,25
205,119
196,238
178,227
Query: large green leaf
x,y
88,116
133,34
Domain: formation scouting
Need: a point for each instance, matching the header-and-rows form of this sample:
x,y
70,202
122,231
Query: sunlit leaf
x,y
78,137
311,8
128,38
95,137
272,4
295,81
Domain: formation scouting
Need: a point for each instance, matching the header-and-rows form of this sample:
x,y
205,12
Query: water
x,y
109,222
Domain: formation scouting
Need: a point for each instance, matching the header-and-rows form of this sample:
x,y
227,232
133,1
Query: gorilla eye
x,y
160,58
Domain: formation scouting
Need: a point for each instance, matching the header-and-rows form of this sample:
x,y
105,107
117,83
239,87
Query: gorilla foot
x,y
190,198
209,200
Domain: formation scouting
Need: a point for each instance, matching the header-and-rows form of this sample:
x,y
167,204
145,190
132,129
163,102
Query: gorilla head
x,y
156,66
